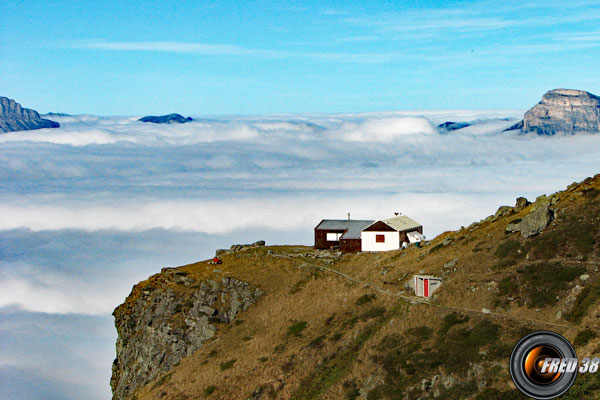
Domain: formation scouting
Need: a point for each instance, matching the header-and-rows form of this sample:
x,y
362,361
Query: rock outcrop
x,y
168,318
540,215
565,111
13,117
166,119
239,247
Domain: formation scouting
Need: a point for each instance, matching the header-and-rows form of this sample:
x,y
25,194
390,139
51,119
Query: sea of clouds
x,y
91,208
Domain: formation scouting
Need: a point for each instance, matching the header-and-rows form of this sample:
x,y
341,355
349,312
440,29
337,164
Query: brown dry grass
x,y
327,302
266,324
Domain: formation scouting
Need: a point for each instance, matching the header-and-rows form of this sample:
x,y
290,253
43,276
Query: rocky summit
x,y
166,119
565,111
13,117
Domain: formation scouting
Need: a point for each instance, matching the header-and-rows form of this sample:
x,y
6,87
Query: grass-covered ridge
x,y
316,335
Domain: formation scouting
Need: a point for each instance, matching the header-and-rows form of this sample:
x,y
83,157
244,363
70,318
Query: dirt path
x,y
561,260
415,299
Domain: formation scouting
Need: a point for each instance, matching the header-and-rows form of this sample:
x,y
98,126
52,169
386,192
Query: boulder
x,y
207,310
450,264
521,203
13,117
448,381
503,211
538,218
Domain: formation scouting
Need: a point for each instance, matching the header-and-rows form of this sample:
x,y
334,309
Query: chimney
x,y
348,216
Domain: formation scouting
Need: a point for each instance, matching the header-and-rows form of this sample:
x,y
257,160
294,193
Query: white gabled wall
x,y
369,243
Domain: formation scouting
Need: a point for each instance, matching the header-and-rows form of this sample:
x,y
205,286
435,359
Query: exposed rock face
x,y
169,318
166,119
537,220
13,117
565,111
503,211
239,247
521,203
517,126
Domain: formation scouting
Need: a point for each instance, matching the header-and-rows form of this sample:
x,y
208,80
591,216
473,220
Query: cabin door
x,y
426,287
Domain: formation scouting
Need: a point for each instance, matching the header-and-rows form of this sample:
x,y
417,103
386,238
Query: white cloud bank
x,y
89,130
224,216
91,208
272,175
276,172
54,292
387,129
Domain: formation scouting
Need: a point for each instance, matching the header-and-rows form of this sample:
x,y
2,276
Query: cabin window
x,y
380,238
333,237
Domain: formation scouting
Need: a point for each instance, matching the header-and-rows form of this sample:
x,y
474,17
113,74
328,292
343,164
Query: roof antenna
x,y
348,216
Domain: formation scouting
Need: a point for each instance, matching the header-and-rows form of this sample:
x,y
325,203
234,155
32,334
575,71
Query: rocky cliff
x,y
13,117
168,318
564,111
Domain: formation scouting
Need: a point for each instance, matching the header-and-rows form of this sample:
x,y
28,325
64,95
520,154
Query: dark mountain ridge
x,y
166,119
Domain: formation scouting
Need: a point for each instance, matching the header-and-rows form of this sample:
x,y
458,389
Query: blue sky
x,y
207,58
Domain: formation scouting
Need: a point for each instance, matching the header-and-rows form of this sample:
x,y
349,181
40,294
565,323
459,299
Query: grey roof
x,y
428,277
353,227
402,223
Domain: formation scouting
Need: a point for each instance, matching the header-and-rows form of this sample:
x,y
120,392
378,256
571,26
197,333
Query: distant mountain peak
x,y
166,119
566,111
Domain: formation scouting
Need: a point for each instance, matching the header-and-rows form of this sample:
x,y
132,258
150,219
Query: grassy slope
x,y
390,345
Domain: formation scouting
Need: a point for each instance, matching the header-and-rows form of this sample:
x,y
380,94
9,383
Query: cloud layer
x,y
219,176
273,175
91,208
55,357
